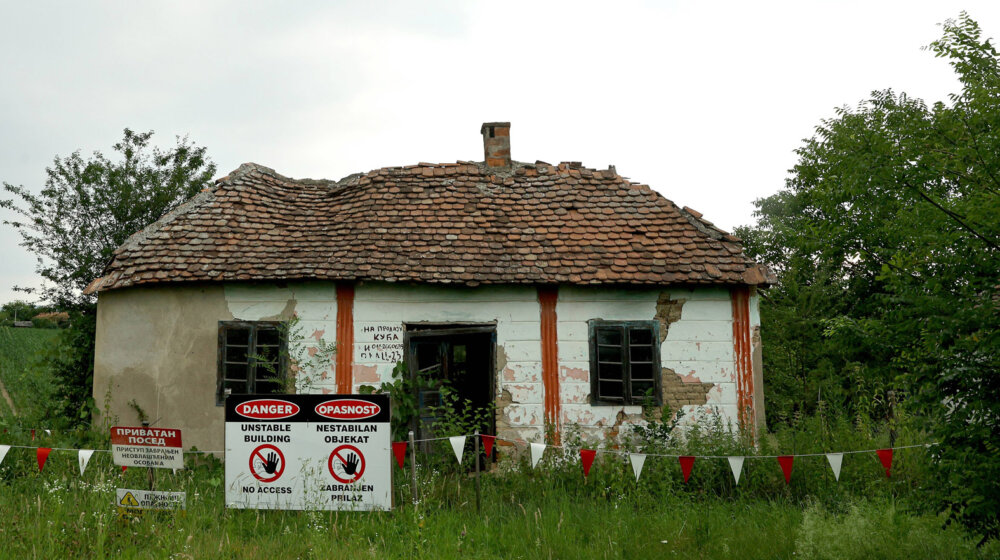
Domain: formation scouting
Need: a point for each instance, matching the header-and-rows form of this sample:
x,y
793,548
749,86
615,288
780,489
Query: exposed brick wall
x,y
678,393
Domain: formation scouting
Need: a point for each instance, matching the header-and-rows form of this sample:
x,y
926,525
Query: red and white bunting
x,y
686,461
42,455
537,450
488,444
83,457
587,458
399,451
736,465
835,460
786,466
3,451
458,446
637,460
885,455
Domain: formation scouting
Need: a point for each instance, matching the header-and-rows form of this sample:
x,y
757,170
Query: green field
x,y
26,382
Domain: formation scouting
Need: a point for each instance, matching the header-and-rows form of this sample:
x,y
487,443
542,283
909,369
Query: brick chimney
x,y
496,143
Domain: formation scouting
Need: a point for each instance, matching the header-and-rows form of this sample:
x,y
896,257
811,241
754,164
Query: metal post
x,y
477,472
152,475
413,466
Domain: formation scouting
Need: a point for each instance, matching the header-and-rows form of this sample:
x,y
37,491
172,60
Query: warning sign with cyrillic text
x,y
147,499
147,447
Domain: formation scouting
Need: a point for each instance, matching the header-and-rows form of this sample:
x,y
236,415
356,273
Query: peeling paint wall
x,y
757,359
696,352
159,346
381,310
315,306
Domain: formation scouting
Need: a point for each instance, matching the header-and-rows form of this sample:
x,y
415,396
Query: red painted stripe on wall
x,y
547,297
743,357
345,337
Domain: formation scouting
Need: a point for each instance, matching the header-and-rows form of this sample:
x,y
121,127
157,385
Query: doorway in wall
x,y
456,357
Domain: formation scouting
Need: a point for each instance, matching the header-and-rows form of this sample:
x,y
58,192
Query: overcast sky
x,y
703,101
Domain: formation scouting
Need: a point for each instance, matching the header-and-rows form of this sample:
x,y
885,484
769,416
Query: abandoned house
x,y
565,296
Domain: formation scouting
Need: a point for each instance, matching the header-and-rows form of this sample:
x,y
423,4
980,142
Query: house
x,y
561,294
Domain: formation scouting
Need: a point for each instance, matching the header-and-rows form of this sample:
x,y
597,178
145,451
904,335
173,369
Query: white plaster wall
x,y
576,306
385,308
699,347
315,305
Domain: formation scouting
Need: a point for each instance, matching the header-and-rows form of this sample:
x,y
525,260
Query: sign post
x,y
153,448
315,452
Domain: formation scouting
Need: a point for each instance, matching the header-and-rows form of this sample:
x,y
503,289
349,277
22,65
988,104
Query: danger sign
x,y
346,464
142,446
328,452
267,462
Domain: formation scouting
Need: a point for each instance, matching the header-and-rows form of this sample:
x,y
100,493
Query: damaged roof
x,y
461,223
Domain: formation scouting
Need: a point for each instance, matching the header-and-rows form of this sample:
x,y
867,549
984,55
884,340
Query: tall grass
x,y
551,511
20,370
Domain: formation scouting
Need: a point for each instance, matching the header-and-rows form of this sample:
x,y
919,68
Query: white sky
x,y
703,101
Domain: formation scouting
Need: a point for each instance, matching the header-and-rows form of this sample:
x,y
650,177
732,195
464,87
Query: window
x,y
252,358
624,362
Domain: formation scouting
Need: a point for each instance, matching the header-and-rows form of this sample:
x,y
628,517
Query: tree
x,y
886,239
88,208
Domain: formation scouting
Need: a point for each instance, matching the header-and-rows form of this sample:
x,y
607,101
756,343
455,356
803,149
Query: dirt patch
x,y
6,397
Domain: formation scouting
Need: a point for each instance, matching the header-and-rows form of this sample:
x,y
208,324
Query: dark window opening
x,y
252,359
624,363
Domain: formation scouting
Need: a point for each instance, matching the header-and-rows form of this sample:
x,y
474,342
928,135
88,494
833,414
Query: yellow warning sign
x,y
148,499
129,500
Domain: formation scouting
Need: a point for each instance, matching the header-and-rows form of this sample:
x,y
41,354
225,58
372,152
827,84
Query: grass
x,y
548,513
20,350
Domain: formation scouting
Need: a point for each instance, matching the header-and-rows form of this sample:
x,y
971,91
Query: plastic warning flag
x,y
587,458
83,457
399,451
458,446
736,465
537,450
835,460
786,466
488,444
3,451
885,455
42,454
637,459
687,461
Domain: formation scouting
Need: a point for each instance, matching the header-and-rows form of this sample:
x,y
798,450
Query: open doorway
x,y
460,357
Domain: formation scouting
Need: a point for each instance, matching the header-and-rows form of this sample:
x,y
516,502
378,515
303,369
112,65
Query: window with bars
x,y
624,362
252,358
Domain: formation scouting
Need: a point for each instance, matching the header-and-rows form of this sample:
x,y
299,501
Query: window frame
x,y
253,327
626,327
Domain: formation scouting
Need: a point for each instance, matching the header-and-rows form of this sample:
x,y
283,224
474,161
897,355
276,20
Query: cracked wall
x,y
696,351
